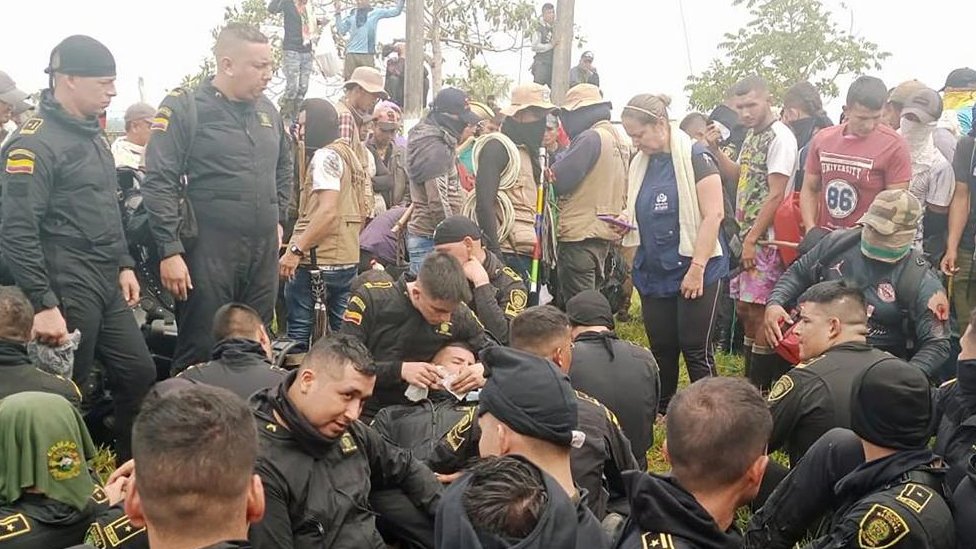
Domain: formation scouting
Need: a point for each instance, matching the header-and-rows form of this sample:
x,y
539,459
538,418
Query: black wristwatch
x,y
296,250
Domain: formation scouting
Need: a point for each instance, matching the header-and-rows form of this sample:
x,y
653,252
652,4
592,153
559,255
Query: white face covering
x,y
920,142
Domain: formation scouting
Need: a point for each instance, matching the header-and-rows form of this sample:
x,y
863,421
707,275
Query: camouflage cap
x,y
890,225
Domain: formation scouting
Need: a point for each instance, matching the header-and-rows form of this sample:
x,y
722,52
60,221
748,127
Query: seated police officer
x,y
896,281
405,323
241,360
498,292
955,440
504,502
17,371
717,430
441,431
605,453
529,409
888,493
318,463
815,397
621,375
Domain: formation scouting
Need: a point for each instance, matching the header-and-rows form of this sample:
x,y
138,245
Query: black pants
x,y
400,521
676,325
581,267
224,268
92,303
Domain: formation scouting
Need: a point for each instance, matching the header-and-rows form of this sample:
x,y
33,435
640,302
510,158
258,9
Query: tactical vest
x,y
522,239
361,152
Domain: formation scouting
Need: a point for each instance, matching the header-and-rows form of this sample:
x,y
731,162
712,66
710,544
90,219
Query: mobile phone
x,y
612,219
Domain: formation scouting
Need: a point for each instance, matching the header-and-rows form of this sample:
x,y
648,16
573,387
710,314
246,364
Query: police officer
x,y
815,396
309,432
955,439
498,292
892,495
405,323
228,140
896,281
62,235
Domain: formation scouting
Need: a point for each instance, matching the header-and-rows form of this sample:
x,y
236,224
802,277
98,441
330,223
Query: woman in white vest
x,y
674,200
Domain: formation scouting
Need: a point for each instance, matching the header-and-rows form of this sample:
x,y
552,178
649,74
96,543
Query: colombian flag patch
x,y
160,124
20,161
354,317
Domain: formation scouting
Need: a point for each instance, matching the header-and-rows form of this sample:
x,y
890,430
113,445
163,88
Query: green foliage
x,y
786,41
481,83
476,26
103,463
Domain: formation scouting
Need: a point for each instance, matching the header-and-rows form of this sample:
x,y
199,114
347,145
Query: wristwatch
x,y
296,250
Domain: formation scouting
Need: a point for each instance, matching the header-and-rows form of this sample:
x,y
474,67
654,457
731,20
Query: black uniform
x,y
35,521
382,316
441,432
815,396
605,454
964,503
239,174
19,375
624,377
113,529
238,365
63,242
501,300
666,516
895,502
316,490
887,307
955,440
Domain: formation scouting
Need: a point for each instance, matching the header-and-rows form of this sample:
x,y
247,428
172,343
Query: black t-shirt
x,y
962,165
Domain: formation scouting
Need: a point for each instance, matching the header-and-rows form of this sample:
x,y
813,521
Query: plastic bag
x,y
60,360
326,54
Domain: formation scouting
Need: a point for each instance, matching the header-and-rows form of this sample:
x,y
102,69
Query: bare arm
x,y
710,203
810,200
958,215
777,189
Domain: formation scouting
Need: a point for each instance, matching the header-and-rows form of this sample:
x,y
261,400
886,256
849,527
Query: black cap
x,y
454,101
966,378
961,78
455,229
590,308
531,396
892,405
81,55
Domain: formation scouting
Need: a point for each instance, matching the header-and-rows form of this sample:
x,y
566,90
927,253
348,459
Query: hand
x,y
939,305
713,136
476,273
447,479
130,287
281,235
775,316
124,470
420,374
50,328
748,255
693,285
471,377
287,265
176,277
948,265
115,491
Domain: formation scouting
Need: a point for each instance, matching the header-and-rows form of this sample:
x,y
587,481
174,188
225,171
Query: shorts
x,y
754,286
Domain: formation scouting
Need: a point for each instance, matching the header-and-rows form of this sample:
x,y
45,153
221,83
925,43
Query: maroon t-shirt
x,y
853,170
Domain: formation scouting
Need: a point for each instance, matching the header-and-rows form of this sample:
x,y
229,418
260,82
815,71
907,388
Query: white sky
x,y
639,44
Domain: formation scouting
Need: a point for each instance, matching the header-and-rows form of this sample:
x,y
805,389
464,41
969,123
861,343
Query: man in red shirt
x,y
849,164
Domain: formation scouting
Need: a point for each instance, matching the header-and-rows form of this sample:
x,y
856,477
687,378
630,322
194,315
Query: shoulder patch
x,y
20,161
650,540
511,273
95,536
444,329
377,285
358,301
915,497
63,460
120,531
99,495
809,362
347,444
176,92
31,126
265,119
455,437
13,526
780,389
517,300
353,317
880,528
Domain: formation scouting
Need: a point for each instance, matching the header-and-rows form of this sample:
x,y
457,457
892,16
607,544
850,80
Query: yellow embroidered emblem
x,y
651,540
444,329
881,528
780,389
515,276
347,444
120,531
63,460
265,119
13,526
455,437
915,497
517,300
31,126
20,161
358,301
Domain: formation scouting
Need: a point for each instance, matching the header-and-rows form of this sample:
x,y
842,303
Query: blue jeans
x,y
419,248
297,67
301,303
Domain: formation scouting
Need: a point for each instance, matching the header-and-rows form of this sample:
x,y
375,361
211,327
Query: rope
x,y
508,181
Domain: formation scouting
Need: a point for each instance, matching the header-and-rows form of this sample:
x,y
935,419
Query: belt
x,y
329,268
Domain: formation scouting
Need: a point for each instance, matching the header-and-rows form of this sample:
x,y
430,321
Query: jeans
x,y
301,302
419,247
297,66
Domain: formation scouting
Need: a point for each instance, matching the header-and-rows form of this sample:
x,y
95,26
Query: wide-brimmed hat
x,y
527,96
890,225
369,79
9,93
583,95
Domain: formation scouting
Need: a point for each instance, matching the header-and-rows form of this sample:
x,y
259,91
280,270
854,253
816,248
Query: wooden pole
x,y
563,51
414,83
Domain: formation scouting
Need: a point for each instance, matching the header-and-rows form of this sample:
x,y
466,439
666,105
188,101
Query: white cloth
x,y
327,168
128,155
689,212
783,155
933,181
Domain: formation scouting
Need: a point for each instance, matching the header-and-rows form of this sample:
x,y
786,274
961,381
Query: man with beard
x,y
513,154
310,435
229,142
591,183
435,187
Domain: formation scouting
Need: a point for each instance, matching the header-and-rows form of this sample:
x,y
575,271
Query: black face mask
x,y
528,134
966,378
455,126
803,130
321,123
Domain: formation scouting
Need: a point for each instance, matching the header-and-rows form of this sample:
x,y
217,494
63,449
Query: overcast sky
x,y
639,44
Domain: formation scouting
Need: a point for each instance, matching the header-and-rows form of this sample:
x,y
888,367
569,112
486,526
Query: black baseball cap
x,y
454,101
893,406
964,77
590,308
81,55
455,229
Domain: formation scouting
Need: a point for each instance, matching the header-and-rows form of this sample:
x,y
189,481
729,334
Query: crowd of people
x,y
408,339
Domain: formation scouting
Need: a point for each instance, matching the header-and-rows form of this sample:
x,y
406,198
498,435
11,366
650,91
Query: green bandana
x,y
44,445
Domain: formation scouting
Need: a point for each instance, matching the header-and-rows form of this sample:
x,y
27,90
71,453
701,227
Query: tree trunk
x,y
437,52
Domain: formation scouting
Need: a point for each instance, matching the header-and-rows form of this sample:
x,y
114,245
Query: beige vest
x,y
340,246
522,239
602,192
362,153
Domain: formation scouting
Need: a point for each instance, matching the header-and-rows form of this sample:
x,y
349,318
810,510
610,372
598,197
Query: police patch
x,y
886,292
354,317
358,301
512,274
455,437
347,444
265,119
95,537
63,460
20,161
120,531
377,285
517,300
651,540
780,389
444,329
915,497
159,124
99,495
13,526
880,528
31,126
